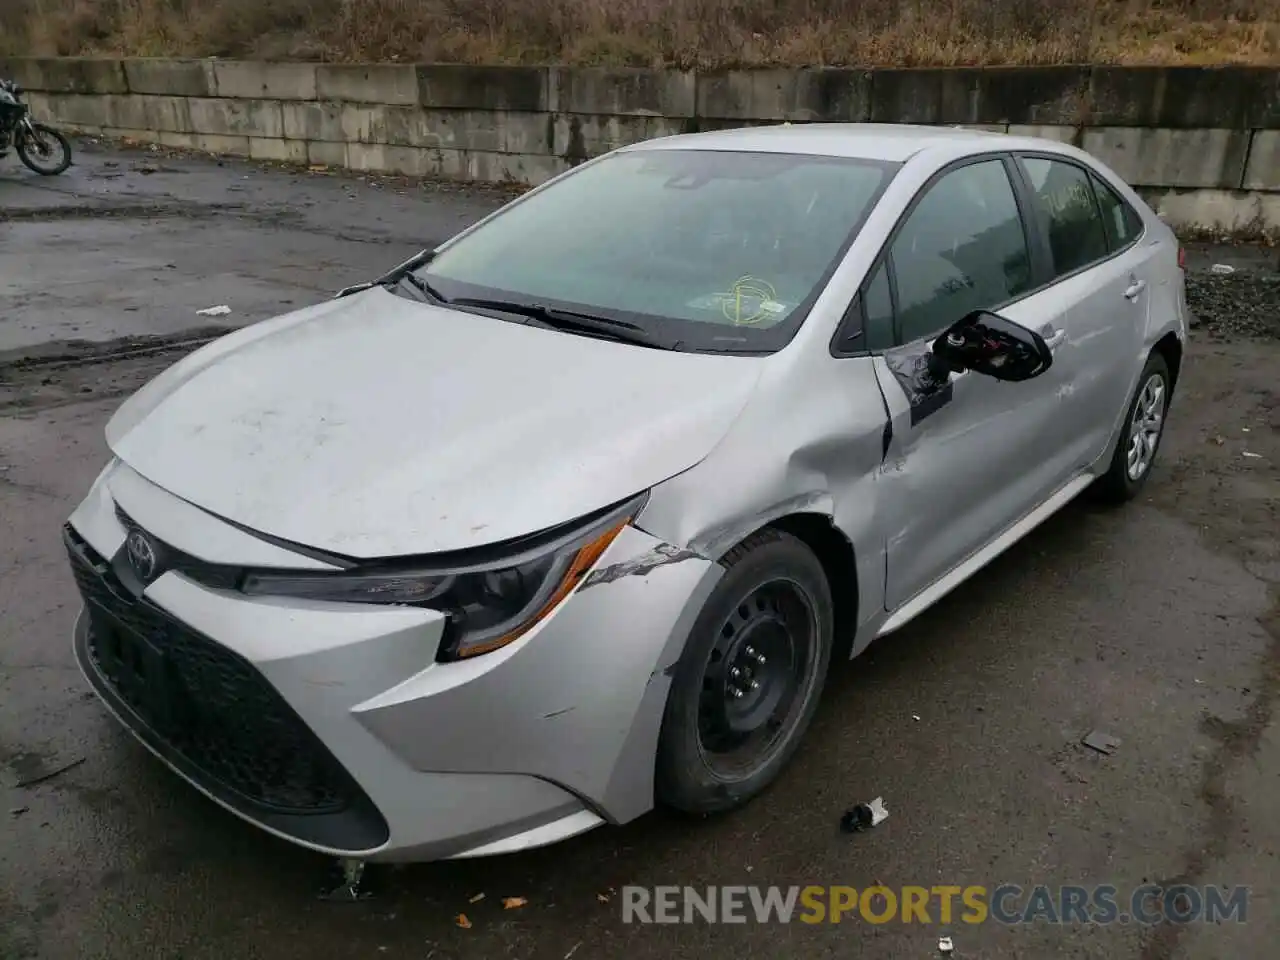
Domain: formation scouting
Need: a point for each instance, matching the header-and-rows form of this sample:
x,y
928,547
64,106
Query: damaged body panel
x,y
532,748
586,728
659,556
568,517
969,456
810,453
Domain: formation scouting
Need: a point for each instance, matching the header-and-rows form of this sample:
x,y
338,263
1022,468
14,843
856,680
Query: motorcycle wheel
x,y
43,149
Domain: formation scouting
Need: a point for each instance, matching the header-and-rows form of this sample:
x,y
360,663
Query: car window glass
x,y
713,248
878,307
1123,222
962,248
1065,199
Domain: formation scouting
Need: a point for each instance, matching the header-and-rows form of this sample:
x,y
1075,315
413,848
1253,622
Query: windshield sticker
x,y
748,301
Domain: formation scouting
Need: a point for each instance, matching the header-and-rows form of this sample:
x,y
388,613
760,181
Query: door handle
x,y
1136,288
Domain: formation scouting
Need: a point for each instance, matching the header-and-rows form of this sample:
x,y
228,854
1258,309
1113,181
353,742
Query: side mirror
x,y
993,346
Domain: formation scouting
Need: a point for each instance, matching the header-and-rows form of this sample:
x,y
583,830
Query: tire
x,y
775,596
38,156
1122,482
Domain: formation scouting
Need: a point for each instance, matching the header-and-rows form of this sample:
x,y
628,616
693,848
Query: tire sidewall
x,y
1155,365
683,779
21,144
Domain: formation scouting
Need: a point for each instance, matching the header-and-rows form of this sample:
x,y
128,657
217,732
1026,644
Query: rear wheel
x,y
43,149
1140,436
749,681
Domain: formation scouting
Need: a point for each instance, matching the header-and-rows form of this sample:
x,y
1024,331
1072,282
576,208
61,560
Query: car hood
x,y
374,426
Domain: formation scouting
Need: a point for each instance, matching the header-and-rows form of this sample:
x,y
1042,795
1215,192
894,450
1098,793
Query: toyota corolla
x,y
571,515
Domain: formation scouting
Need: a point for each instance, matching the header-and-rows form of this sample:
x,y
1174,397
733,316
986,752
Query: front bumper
x,y
332,726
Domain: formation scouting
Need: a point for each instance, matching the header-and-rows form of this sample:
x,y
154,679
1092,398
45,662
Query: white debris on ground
x,y
864,816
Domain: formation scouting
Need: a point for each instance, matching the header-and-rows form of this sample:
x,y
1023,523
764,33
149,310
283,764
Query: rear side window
x,y
1065,199
1122,221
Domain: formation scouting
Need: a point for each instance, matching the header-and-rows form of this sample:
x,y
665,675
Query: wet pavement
x,y
1156,623
137,242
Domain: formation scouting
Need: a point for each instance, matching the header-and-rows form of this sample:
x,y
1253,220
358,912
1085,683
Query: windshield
x,y
707,250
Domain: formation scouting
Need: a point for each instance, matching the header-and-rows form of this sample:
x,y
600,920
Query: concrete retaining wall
x,y
1202,143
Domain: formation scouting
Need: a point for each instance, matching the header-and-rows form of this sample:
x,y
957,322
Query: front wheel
x,y
747,686
43,149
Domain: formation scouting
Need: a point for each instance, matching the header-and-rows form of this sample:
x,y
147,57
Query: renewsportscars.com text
x,y
1007,904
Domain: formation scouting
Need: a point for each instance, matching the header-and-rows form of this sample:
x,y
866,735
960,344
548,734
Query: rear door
x,y
967,459
1099,289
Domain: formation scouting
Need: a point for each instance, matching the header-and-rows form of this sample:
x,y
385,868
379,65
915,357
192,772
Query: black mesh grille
x,y
204,702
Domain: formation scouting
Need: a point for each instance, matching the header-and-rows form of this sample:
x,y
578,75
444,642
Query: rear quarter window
x,y
1122,222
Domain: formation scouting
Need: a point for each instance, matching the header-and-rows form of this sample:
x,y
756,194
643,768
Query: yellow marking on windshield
x,y
749,301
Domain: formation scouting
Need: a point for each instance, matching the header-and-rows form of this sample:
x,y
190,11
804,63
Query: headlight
x,y
489,604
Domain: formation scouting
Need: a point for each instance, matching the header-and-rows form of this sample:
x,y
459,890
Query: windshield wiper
x,y
404,272
421,286
570,320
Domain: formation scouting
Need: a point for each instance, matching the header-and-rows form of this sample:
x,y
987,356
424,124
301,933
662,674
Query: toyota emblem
x,y
142,555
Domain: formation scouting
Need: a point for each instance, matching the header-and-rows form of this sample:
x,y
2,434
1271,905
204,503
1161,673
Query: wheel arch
x,y
679,785
1170,347
839,562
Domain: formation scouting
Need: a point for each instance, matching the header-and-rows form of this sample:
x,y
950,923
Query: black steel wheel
x,y
43,149
749,681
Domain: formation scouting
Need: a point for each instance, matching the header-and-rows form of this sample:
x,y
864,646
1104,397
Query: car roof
x,y
892,142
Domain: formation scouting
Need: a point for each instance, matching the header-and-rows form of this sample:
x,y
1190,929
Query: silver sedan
x,y
570,516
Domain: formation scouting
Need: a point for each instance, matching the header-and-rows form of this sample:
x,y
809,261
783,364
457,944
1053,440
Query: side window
x,y
1123,222
1065,198
877,305
962,248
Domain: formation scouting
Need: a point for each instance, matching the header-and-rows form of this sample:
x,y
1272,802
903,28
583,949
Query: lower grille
x,y
210,712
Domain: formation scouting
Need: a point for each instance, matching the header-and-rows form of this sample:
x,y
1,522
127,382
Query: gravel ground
x,y
1242,304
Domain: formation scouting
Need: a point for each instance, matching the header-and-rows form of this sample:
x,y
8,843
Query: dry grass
x,y
685,33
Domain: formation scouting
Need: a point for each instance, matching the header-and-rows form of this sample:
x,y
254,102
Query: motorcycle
x,y
40,147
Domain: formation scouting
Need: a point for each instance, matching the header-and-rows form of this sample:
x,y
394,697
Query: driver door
x,y
968,458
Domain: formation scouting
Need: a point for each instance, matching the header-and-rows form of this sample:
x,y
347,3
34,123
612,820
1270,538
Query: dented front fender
x,y
578,700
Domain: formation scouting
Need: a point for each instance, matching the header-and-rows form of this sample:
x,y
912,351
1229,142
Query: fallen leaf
x,y
477,898
1219,440
513,903
462,921
602,898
